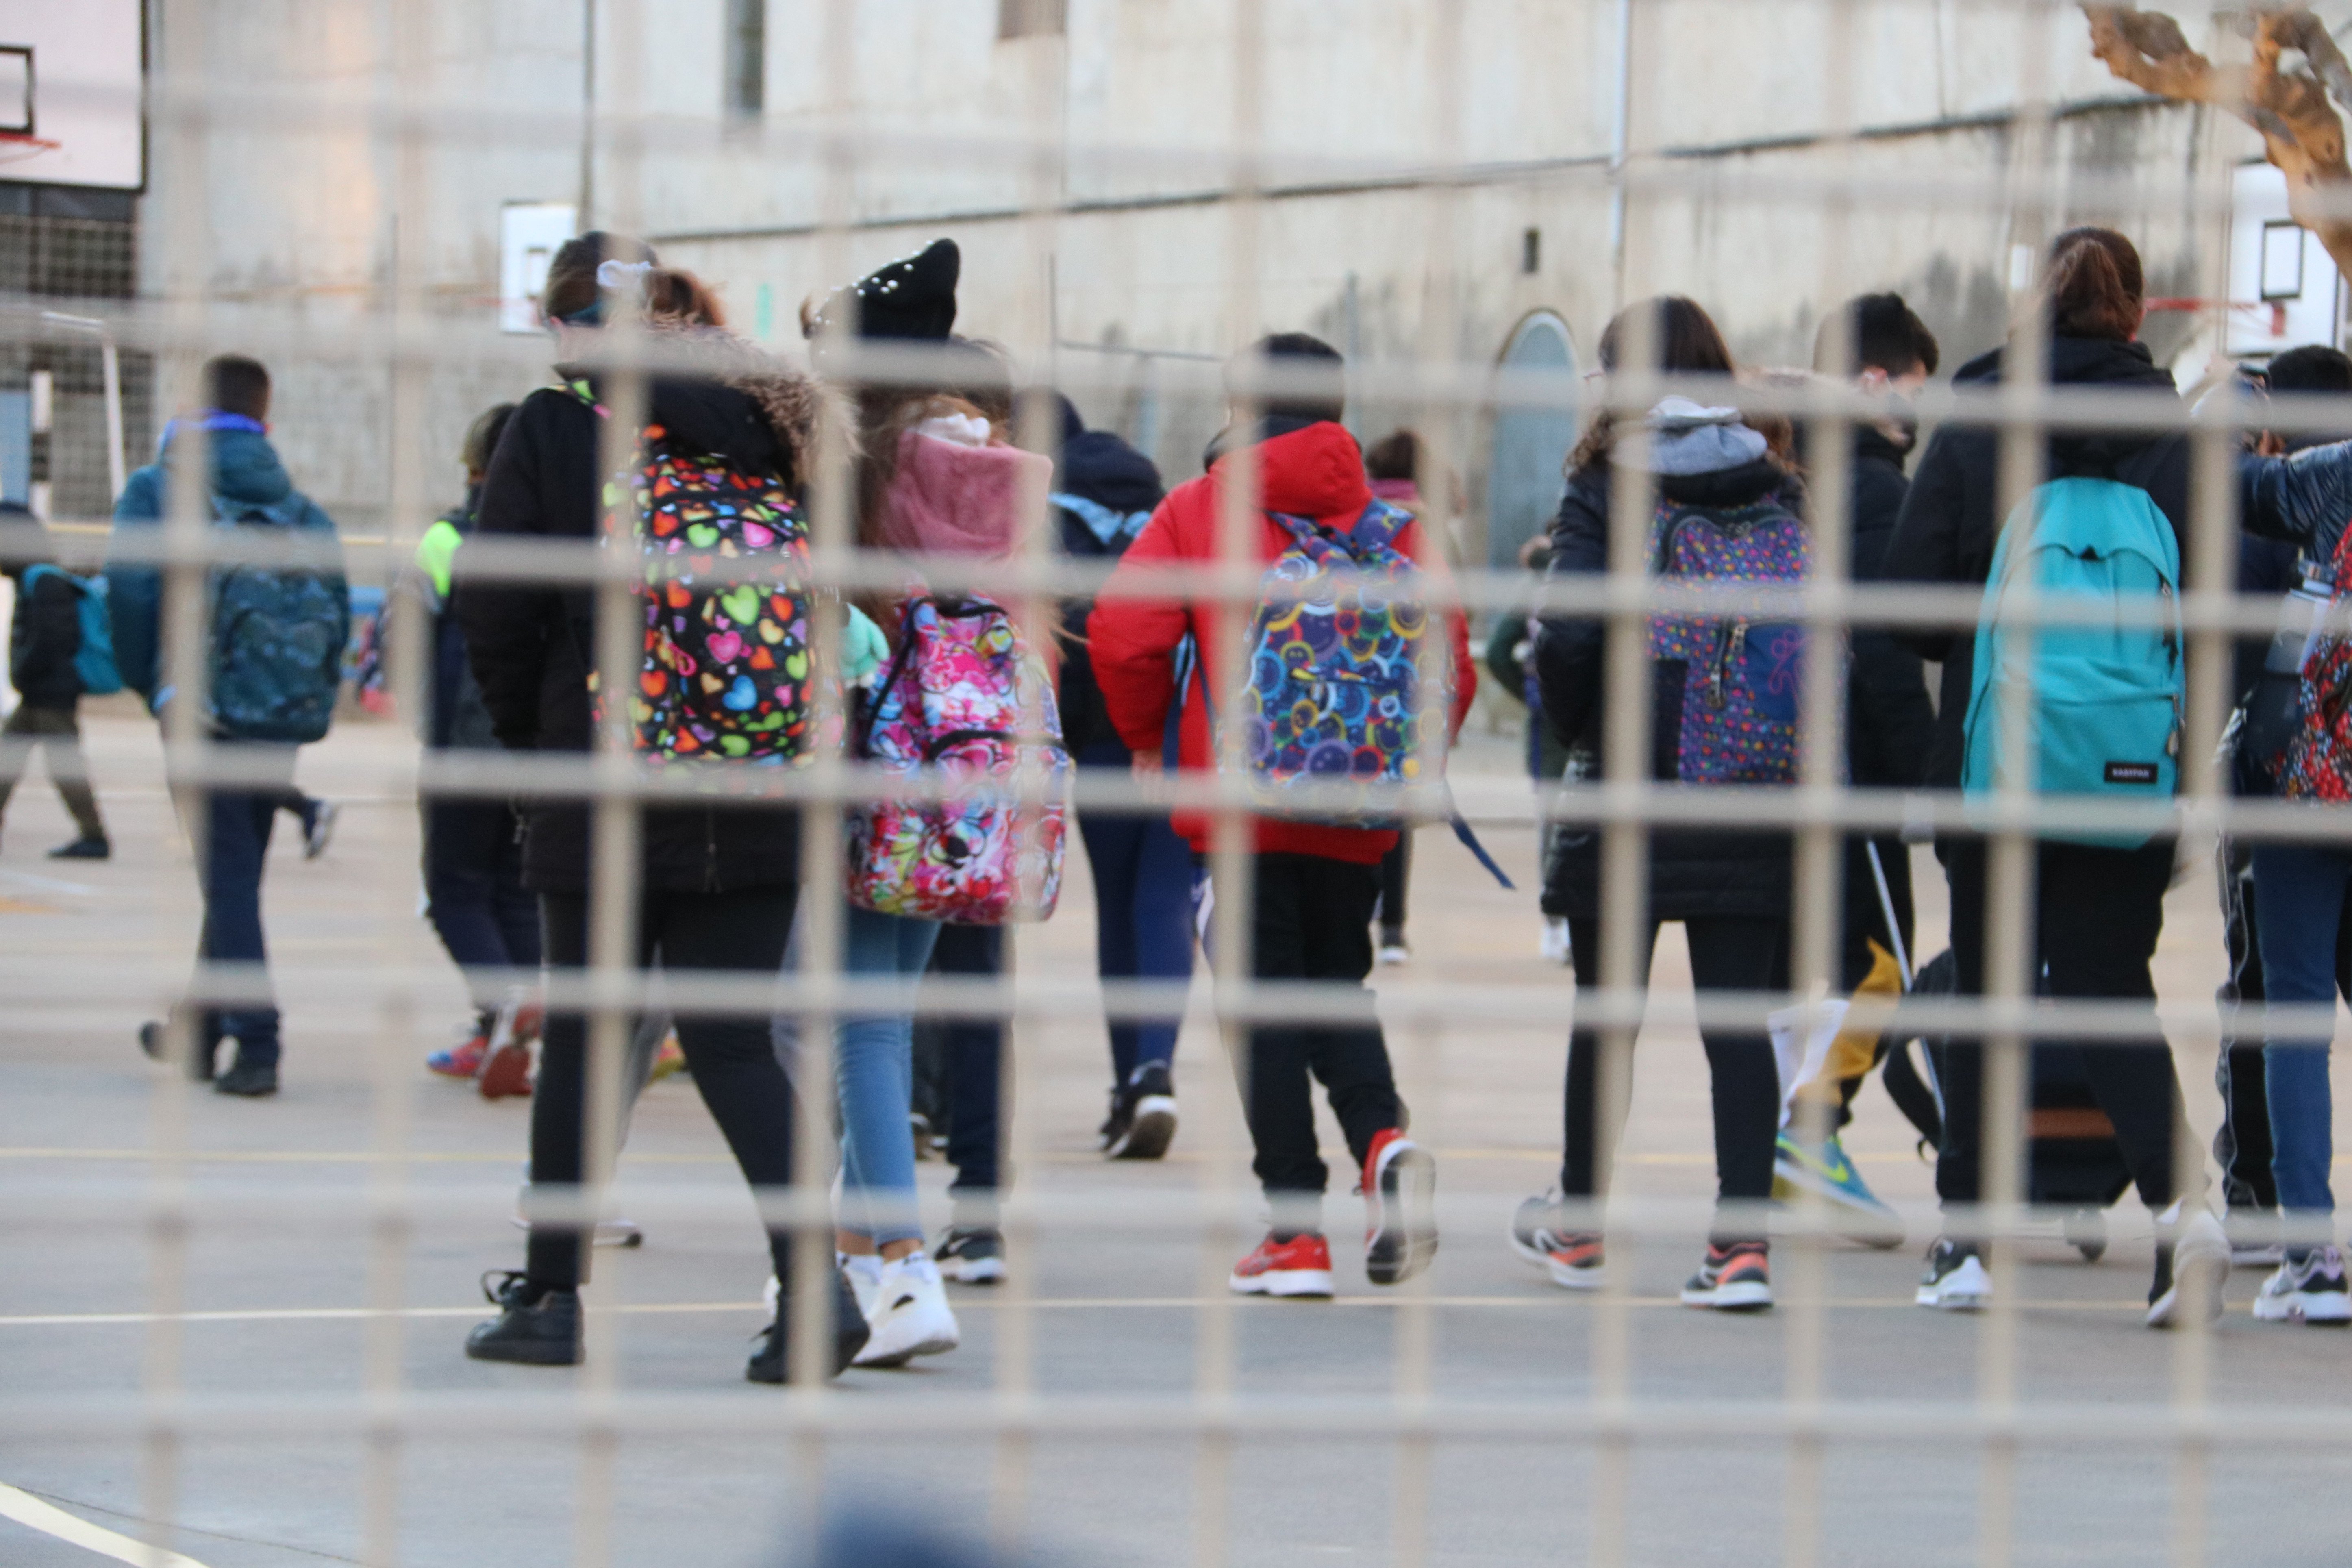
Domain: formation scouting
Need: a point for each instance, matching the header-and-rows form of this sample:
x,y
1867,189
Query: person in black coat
x,y
718,883
2097,911
1730,889
44,639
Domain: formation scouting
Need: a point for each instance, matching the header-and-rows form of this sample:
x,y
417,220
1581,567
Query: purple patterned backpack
x,y
1728,685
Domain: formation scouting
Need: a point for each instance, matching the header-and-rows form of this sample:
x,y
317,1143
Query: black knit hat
x,y
913,298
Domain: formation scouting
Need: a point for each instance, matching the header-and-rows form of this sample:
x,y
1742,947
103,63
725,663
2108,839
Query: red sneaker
x,y
1401,1208
506,1069
1299,1266
462,1060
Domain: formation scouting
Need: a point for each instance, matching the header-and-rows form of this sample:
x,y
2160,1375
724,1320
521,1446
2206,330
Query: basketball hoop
x,y
15,146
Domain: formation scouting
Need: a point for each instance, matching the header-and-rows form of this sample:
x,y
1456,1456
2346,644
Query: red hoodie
x,y
1315,472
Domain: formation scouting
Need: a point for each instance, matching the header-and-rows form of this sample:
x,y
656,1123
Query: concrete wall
x,y
1728,97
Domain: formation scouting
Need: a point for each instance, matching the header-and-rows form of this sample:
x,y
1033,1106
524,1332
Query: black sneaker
x,y
536,1325
1114,1128
1145,1111
154,1036
1955,1280
251,1080
971,1255
318,828
83,849
1734,1277
768,1363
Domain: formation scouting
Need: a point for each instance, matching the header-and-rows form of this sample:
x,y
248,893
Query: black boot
x,y
251,1080
768,1363
537,1325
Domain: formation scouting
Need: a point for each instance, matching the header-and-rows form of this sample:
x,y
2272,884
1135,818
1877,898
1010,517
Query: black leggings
x,y
2096,916
732,1060
1727,952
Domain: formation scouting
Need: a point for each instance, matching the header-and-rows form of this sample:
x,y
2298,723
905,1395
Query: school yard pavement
x,y
277,1276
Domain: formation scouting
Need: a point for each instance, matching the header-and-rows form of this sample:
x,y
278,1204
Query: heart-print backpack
x,y
962,708
724,672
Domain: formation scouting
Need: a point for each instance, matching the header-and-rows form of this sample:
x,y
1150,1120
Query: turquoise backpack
x,y
94,661
2105,701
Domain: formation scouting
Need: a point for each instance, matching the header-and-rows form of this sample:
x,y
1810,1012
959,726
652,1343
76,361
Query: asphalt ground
x,y
1118,1308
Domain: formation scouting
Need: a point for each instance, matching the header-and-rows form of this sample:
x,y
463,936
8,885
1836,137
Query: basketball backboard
x,y
70,81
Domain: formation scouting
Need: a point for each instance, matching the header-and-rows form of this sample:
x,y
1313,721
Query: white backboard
x,y
529,235
2283,289
70,77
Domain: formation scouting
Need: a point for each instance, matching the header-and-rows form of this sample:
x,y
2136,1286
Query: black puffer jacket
x,y
1890,724
1691,873
1098,467
44,639
529,644
1948,527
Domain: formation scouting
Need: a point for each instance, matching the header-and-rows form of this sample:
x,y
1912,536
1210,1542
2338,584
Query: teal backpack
x,y
94,661
2104,701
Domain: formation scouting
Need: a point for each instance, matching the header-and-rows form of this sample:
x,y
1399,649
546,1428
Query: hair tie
x,y
618,275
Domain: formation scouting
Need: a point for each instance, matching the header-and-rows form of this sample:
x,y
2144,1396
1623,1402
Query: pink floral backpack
x,y
963,707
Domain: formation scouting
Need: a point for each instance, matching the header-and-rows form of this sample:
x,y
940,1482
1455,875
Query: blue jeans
x,y
2298,901
874,1068
1143,914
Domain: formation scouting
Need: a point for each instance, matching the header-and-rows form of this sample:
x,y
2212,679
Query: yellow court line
x,y
49,1519
966,1301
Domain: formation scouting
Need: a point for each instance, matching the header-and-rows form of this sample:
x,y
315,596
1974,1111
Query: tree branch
x,y
2301,131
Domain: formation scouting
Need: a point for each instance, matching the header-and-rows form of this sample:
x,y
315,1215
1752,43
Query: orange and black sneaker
x,y
1575,1261
1572,1257
1400,1189
1300,1265
1734,1278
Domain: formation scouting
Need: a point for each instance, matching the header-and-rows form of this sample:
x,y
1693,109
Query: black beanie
x,y
913,298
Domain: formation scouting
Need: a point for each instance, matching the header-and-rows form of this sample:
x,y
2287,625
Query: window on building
x,y
1531,251
747,59
1032,18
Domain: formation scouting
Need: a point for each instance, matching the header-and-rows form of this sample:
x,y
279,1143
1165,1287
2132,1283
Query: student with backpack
x,y
474,890
1314,881
1728,511
720,461
1142,871
275,637
1890,726
60,648
938,477
2108,523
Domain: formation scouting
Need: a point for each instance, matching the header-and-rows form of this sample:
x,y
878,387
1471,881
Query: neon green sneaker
x,y
1855,1212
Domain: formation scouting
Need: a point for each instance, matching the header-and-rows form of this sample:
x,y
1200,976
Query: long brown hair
x,y
1685,341
2096,287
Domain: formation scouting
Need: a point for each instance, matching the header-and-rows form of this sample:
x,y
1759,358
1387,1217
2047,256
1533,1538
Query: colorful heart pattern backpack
x,y
726,668
964,710
2319,759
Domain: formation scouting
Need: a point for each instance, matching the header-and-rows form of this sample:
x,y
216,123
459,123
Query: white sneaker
x,y
1955,1280
864,1273
2310,1291
2188,1283
1555,940
1395,953
910,1316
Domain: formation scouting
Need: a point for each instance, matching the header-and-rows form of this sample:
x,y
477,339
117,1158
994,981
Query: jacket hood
x,y
957,499
2086,362
1685,438
1315,471
1099,466
1870,443
244,466
750,406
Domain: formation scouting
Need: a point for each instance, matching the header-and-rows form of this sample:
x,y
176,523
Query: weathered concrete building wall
x,y
1730,110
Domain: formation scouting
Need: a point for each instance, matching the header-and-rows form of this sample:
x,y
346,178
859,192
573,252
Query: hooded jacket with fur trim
x,y
1315,471
528,642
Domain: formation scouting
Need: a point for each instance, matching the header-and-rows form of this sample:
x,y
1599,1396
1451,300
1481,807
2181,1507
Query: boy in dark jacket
x,y
44,638
230,825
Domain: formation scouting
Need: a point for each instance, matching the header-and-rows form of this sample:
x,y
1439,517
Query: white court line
x,y
46,884
32,1513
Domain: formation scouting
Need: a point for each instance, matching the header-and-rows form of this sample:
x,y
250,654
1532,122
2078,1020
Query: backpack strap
x,y
1470,842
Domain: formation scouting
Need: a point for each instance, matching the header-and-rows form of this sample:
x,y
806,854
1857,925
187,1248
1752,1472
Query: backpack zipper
x,y
1730,641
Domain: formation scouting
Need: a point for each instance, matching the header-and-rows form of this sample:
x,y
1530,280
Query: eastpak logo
x,y
2131,773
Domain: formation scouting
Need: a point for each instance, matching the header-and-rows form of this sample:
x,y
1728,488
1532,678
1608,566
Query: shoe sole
x,y
1294,1284
1148,1135
526,1354
506,1073
2334,1312
1576,1278
1952,1301
987,1272
452,1070
1746,1296
1404,1233
846,1346
936,1345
